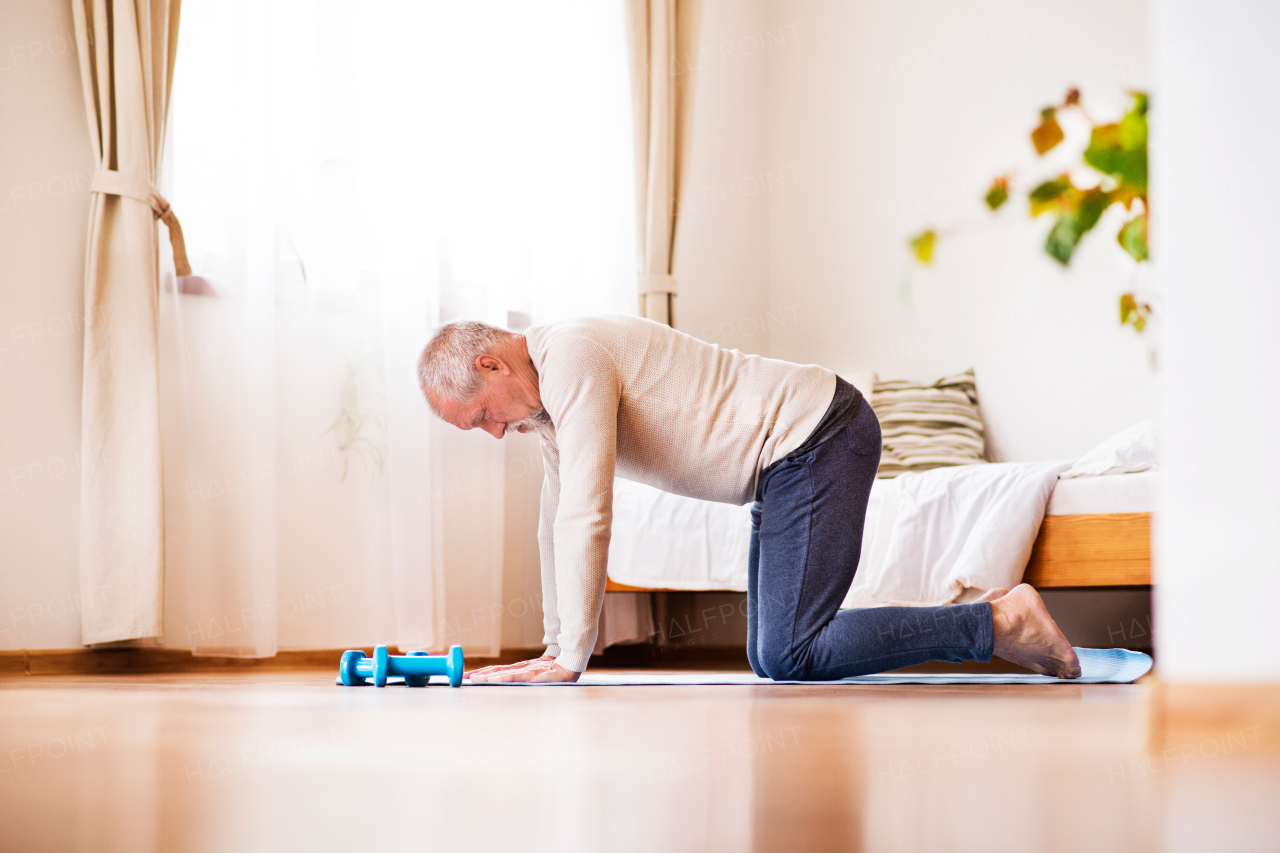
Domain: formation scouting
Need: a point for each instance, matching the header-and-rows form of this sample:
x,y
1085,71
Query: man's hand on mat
x,y
539,669
1026,634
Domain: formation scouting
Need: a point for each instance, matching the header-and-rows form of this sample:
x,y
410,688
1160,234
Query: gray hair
x,y
447,367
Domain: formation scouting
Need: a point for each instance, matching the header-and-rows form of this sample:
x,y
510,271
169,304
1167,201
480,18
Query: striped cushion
x,y
929,426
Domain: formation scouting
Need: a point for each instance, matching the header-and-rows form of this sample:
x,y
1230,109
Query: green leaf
x,y
1062,239
998,194
1107,152
922,245
1133,131
1120,149
1133,239
1134,313
1141,102
1092,204
1127,306
1048,133
1082,210
1046,195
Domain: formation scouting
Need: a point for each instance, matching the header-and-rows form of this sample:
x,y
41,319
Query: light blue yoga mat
x,y
1098,666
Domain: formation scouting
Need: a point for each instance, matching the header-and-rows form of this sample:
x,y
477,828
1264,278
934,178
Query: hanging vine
x,y
1117,157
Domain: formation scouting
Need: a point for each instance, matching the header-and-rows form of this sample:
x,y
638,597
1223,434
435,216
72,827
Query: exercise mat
x,y
1098,666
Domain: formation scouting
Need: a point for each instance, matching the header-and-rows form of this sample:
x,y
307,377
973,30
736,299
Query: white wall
x,y
44,204
1215,177
895,115
720,260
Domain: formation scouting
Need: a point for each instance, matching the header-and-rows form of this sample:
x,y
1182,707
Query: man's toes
x,y
1073,666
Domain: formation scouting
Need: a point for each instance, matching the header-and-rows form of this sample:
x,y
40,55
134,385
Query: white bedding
x,y
670,541
1107,494
938,533
988,516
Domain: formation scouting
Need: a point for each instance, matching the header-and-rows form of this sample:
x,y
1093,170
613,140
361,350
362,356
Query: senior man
x,y
624,396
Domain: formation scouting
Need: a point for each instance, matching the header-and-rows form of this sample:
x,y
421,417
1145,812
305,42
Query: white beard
x,y
539,421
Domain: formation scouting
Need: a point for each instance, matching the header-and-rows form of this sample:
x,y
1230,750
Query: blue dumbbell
x,y
416,667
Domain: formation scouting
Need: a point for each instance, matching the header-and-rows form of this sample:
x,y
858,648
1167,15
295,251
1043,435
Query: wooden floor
x,y
280,761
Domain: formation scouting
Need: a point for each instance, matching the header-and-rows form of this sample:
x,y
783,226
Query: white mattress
x,y
673,542
1104,495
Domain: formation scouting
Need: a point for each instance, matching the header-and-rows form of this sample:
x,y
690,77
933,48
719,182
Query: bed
x,y
1096,532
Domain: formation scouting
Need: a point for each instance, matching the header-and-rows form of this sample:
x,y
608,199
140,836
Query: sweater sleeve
x,y
580,389
546,543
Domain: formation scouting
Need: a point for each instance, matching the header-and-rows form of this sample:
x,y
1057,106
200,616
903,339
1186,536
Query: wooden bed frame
x,y
1070,551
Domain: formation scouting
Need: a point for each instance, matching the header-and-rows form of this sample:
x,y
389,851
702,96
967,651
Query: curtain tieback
x,y
128,185
656,283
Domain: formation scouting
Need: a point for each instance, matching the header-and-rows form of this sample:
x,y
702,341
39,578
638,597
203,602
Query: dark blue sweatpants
x,y
806,537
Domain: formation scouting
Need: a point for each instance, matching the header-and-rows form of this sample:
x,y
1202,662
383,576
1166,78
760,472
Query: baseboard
x,y
143,661
1215,719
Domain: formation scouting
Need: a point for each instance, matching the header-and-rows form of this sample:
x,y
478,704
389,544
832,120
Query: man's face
x,y
498,409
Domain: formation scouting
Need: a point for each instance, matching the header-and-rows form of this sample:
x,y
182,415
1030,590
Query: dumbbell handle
x,y
406,665
418,665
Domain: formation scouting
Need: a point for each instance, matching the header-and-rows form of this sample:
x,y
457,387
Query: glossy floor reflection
x,y
273,761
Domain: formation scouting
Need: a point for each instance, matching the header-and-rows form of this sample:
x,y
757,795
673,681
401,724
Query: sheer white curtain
x,y
350,175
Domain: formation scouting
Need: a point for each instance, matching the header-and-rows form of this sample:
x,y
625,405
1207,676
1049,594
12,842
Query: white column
x,y
1216,246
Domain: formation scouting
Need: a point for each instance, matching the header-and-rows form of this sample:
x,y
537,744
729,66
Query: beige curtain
x,y
660,36
127,50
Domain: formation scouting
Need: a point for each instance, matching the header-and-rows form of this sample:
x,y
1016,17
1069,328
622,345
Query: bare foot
x,y
994,595
1026,634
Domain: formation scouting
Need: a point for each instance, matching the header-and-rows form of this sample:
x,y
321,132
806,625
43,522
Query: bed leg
x,y
660,616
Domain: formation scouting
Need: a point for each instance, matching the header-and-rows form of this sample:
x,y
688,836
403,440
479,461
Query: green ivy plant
x,y
1117,152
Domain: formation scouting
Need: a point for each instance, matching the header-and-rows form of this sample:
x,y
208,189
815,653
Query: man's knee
x,y
753,658
781,662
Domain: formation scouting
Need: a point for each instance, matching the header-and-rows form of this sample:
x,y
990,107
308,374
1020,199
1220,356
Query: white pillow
x,y
1128,452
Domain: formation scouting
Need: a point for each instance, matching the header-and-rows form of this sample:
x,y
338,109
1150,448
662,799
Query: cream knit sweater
x,y
638,399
